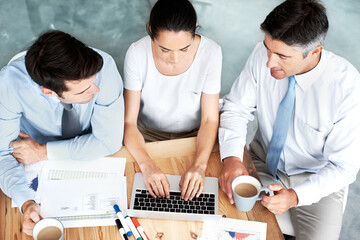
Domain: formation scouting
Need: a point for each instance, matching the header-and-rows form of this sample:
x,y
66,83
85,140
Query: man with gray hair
x,y
308,107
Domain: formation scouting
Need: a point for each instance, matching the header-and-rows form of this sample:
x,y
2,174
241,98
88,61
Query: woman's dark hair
x,y
172,15
57,57
300,23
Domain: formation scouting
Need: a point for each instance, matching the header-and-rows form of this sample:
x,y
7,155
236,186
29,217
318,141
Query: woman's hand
x,y
155,180
192,182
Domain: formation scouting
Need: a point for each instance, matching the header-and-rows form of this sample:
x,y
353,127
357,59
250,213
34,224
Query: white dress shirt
x,y
324,133
172,103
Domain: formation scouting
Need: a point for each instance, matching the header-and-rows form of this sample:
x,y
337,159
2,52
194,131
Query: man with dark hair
x,y
63,100
308,107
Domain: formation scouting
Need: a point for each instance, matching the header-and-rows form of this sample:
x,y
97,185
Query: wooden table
x,y
173,157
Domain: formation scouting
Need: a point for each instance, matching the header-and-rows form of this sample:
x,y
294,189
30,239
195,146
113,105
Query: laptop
x,y
205,207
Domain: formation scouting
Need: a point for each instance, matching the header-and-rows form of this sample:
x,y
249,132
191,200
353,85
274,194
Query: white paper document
x,y
82,193
83,202
233,229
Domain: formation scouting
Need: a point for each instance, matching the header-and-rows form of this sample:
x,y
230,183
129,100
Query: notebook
x,y
205,207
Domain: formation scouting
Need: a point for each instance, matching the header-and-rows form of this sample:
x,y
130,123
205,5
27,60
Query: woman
x,y
172,84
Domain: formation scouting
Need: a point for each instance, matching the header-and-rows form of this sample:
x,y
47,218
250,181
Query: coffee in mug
x,y
246,190
48,229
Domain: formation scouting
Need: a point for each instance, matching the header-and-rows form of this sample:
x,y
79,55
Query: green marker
x,y
133,228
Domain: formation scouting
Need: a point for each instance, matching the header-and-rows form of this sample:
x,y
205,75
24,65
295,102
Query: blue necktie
x,y
281,128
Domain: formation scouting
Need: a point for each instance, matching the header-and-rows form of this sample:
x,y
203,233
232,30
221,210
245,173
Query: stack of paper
x,y
82,193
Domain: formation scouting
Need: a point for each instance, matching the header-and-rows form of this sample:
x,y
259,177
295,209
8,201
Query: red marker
x,y
140,229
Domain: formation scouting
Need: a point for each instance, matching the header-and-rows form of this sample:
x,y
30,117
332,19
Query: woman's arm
x,y
155,180
192,182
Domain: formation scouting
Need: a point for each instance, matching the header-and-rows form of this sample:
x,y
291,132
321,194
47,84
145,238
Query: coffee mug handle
x,y
266,189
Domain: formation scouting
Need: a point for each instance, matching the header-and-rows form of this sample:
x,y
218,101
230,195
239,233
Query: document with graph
x,y
233,229
82,193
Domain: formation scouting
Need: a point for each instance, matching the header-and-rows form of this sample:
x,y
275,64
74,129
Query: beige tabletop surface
x,y
172,157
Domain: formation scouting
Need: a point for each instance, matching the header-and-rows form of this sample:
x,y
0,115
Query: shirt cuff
x,y
58,150
21,195
232,149
211,91
131,87
304,192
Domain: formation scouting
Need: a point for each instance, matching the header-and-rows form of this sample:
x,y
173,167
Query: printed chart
x,y
233,229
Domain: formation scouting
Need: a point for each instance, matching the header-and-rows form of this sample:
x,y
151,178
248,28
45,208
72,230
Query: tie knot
x,y
292,81
67,106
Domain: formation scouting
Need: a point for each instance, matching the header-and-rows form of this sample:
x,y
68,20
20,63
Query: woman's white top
x,y
172,103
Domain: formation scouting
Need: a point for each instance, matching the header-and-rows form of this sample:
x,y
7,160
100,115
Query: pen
x,y
122,220
140,229
132,227
121,230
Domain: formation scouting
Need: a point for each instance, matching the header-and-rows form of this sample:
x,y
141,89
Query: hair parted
x,y
172,15
299,23
56,57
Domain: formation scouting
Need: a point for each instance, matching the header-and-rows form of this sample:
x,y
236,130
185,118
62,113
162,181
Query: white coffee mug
x,y
246,190
48,229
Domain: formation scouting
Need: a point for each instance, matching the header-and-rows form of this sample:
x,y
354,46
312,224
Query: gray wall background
x,y
112,25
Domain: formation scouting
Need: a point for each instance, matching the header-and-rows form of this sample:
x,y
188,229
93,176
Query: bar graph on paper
x,y
56,174
240,235
87,217
233,229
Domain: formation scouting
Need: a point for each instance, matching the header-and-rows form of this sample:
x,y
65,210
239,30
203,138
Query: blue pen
x,y
122,220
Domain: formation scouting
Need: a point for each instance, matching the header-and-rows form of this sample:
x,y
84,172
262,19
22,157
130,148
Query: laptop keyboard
x,y
204,204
